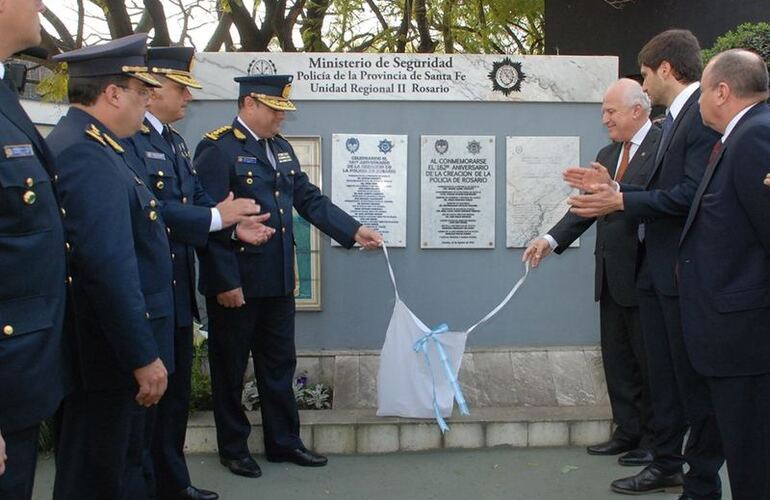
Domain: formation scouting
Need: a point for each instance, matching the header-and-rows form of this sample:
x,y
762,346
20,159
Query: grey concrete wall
x,y
555,307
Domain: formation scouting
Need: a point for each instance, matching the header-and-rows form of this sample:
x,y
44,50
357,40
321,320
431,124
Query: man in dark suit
x,y
121,275
34,363
724,268
249,289
671,66
161,154
629,159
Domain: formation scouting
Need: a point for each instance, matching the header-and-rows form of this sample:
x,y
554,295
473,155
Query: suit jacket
x,y
616,240
663,204
230,159
34,360
724,260
120,258
185,206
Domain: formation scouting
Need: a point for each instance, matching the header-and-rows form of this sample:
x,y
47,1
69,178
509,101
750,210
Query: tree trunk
x,y
155,9
117,18
427,44
403,31
312,36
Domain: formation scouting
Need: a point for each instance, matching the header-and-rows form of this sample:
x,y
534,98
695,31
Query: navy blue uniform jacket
x,y
185,206
666,199
230,159
34,364
120,258
724,261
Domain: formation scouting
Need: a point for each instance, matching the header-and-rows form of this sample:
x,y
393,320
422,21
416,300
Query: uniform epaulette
x,y
95,134
145,129
239,135
216,134
113,144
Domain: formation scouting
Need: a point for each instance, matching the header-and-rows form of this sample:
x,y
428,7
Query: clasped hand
x,y
601,196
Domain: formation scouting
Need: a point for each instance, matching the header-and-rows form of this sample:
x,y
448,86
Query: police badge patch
x,y
506,76
261,67
385,146
474,147
442,146
352,145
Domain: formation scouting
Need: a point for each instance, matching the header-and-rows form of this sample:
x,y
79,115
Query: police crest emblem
x,y
261,67
442,146
352,145
385,146
474,147
506,76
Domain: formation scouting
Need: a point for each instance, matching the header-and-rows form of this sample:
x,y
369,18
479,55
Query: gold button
x,y
67,246
147,315
283,229
184,199
195,172
173,255
160,172
280,210
250,173
168,230
173,282
30,182
291,172
153,215
278,174
56,178
160,185
242,249
249,181
29,197
63,212
7,330
153,203
69,280
277,194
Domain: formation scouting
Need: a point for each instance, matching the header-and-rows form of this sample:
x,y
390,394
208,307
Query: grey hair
x,y
635,95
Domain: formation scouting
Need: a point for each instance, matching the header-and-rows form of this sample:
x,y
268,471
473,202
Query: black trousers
x,y
165,463
19,477
100,444
625,369
743,413
264,328
680,397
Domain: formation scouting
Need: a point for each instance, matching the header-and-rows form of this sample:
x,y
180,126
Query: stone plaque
x,y
457,187
536,193
369,181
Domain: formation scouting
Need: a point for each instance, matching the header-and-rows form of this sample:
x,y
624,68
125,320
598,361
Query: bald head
x,y
625,109
732,81
743,71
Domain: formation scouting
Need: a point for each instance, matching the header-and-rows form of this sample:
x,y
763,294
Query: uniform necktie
x,y
715,152
666,127
269,152
624,161
168,136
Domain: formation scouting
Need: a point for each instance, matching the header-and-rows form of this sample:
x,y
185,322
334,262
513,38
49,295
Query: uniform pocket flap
x,y
159,305
20,316
22,172
742,300
159,167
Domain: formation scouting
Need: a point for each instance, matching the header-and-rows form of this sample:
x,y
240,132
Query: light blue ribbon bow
x,y
422,346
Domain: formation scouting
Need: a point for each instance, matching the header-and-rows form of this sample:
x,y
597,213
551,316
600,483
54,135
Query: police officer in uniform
x,y
249,289
34,365
161,154
121,275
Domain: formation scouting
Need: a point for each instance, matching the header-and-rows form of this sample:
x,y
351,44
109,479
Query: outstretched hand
x,y
604,199
538,250
585,178
252,231
368,238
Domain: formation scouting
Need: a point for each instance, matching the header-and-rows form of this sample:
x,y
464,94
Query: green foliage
x,y
200,394
53,88
754,36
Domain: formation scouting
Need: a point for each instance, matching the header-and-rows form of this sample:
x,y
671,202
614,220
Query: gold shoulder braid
x,y
239,135
217,134
113,143
94,133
